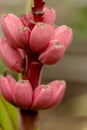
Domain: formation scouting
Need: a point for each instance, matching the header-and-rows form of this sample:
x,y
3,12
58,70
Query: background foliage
x,y
71,114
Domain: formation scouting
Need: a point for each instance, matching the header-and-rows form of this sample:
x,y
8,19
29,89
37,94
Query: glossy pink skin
x,y
24,36
40,36
52,55
63,34
23,94
50,44
10,25
11,81
27,19
47,96
41,97
7,88
11,56
49,15
58,90
17,93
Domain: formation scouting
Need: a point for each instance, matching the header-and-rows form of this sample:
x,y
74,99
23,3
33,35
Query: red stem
x,y
37,10
28,120
34,74
32,69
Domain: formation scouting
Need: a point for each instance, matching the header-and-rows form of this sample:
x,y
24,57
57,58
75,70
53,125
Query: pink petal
x,y
49,15
6,88
40,36
52,55
11,57
23,94
64,35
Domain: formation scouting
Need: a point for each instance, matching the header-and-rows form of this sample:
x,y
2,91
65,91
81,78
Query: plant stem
x,y
34,73
33,69
28,120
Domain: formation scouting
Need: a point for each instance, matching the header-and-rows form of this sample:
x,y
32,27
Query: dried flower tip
x,y
5,15
57,45
23,28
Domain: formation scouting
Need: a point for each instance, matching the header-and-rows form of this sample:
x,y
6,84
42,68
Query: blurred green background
x,y
71,114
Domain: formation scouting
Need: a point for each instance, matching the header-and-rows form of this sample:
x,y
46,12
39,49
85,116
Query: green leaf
x,y
8,115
